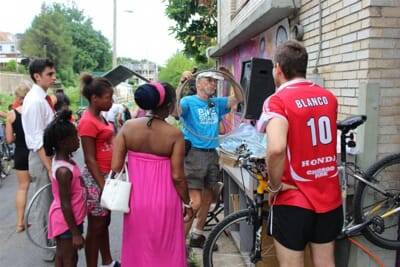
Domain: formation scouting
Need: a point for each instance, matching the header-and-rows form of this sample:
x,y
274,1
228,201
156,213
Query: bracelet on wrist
x,y
189,206
271,190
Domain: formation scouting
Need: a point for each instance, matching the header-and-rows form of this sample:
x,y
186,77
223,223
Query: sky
x,y
142,26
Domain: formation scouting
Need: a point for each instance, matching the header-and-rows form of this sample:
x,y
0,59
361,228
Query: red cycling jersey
x,y
311,113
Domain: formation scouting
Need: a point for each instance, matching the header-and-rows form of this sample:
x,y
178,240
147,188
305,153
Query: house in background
x,y
9,48
354,51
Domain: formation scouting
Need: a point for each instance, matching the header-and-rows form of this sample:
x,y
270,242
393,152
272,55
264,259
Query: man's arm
x,y
237,96
277,130
45,159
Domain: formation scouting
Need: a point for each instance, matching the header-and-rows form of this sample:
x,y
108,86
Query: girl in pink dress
x,y
153,231
68,209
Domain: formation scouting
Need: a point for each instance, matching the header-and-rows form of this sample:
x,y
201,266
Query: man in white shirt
x,y
37,113
114,114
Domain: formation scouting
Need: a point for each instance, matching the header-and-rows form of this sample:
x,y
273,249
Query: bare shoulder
x,y
10,116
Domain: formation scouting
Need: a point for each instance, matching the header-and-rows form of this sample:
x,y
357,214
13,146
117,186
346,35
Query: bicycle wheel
x,y
369,203
229,121
6,164
34,226
232,249
6,150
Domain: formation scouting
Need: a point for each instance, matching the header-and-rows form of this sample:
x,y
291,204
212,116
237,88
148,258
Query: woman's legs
x,y
21,197
97,239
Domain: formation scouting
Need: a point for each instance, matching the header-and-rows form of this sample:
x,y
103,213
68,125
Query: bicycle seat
x,y
350,123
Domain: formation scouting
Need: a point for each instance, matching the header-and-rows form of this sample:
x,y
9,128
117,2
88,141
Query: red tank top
x,y
311,112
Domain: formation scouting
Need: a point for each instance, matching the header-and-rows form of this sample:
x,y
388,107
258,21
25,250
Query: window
x,y
236,6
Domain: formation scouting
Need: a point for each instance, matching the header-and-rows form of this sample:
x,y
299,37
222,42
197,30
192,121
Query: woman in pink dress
x,y
153,231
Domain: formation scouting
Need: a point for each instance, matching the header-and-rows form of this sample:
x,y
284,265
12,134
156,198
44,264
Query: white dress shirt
x,y
36,115
112,113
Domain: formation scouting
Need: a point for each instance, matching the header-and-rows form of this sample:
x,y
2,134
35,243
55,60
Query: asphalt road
x,y
15,248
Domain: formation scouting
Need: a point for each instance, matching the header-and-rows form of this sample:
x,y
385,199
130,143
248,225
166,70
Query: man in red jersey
x,y
306,205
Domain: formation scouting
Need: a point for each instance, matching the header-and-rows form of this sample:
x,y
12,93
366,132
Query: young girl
x,y
68,210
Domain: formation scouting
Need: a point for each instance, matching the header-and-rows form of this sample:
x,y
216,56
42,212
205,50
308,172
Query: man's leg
x,y
196,197
288,257
40,178
207,195
323,255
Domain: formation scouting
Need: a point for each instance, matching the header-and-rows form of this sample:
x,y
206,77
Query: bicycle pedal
x,y
378,224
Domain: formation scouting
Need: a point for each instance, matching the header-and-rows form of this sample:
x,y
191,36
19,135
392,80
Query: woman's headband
x,y
160,90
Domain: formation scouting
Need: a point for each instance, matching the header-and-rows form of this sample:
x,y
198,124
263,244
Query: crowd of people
x,y
172,181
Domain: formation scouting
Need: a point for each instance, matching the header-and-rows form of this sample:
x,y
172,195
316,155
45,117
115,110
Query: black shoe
x,y
197,241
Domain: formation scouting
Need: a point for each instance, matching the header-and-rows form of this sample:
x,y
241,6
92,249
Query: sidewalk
x,y
15,248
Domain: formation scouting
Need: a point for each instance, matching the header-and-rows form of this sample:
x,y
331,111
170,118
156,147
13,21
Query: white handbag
x,y
116,193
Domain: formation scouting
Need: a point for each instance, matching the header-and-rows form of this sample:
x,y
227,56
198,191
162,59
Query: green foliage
x,y
64,35
74,97
12,65
49,37
5,100
196,25
177,64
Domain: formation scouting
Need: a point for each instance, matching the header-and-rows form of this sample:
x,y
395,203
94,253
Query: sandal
x,y
21,227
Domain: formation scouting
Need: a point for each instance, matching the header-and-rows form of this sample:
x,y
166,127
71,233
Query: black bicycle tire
x,y
220,229
29,224
6,166
6,151
243,104
371,175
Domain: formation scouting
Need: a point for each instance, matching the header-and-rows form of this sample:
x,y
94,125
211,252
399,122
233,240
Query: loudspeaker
x,y
258,83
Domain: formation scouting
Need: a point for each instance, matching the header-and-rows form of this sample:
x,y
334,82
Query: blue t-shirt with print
x,y
201,118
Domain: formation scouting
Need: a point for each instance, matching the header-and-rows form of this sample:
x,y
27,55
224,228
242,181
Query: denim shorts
x,y
68,234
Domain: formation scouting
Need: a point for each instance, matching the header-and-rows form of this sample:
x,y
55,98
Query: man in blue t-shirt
x,y
201,114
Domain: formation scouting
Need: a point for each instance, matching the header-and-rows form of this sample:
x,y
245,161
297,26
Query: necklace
x,y
151,117
154,116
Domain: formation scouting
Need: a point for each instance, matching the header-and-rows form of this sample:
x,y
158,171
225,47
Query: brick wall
x,y
360,44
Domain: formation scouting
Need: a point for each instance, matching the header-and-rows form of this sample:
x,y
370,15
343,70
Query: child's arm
x,y
64,178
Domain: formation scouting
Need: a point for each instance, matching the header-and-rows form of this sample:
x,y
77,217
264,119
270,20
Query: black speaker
x,y
258,84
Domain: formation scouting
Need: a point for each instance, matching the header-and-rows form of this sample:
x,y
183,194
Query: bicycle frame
x,y
373,202
348,226
256,170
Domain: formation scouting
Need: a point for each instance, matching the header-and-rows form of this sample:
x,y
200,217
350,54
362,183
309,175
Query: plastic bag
x,y
248,134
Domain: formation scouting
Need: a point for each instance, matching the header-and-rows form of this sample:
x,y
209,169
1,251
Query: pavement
x,y
17,250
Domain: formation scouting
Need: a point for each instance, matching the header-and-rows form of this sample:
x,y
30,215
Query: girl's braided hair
x,y
59,129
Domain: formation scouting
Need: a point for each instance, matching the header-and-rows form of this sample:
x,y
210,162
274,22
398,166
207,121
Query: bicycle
x,y
5,160
36,232
376,201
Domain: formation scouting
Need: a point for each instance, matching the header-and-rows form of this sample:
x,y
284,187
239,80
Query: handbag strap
x,y
118,175
126,171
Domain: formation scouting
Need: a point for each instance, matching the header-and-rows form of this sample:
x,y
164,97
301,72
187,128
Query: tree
x,y
92,49
64,35
196,25
178,63
49,37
